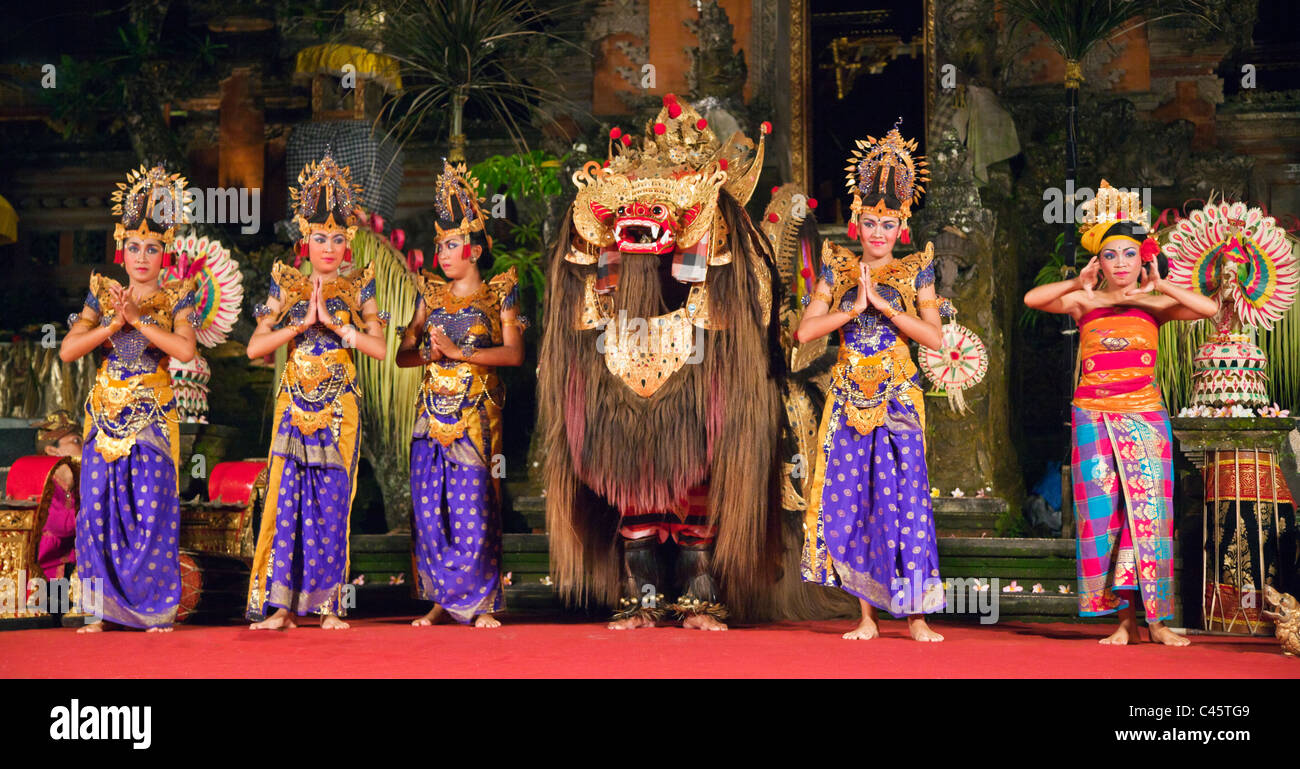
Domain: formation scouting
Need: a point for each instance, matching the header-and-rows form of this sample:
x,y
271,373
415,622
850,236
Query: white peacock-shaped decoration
x,y
218,296
1237,253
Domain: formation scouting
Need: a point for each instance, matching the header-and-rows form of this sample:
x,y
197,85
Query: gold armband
x,y
822,296
924,303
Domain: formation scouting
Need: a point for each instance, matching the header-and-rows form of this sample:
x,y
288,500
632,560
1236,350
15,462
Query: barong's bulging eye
x,y
658,212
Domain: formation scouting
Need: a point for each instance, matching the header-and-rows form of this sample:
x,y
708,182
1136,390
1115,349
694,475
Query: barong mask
x,y
659,196
886,179
150,205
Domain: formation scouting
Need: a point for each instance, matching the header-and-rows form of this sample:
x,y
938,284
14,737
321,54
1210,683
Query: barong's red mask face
x,y
143,258
878,234
1121,261
647,227
457,256
327,249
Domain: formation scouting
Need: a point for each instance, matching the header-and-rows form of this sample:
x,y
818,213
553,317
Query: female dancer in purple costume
x,y
459,332
301,561
870,527
128,522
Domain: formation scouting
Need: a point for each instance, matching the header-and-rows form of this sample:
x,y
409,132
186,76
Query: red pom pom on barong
x,y
766,127
701,124
627,140
660,129
615,132
812,203
1149,250
722,164
674,110
773,218
670,98
775,190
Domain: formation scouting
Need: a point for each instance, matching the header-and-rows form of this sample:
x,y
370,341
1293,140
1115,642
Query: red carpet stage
x,y
532,647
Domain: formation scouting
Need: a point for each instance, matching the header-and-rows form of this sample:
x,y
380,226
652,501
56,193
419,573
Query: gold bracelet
x,y
892,314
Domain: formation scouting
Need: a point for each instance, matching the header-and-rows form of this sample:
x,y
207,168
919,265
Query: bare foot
x,y
332,622
867,628
1127,631
281,620
703,622
486,620
865,631
630,623
167,629
94,627
1161,634
435,616
920,631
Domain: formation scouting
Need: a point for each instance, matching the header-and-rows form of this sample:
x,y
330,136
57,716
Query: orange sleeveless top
x,y
1117,352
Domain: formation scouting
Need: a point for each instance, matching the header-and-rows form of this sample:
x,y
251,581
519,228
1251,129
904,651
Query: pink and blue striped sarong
x,y
1123,480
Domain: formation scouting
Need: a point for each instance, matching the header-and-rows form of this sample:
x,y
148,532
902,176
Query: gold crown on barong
x,y
679,160
1108,206
457,188
150,196
885,171
342,197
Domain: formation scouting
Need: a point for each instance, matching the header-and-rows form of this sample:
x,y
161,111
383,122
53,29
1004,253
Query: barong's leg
x,y
641,603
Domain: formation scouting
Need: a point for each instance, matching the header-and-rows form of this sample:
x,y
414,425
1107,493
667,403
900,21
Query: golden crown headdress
x,y
150,204
1107,208
342,198
456,200
886,179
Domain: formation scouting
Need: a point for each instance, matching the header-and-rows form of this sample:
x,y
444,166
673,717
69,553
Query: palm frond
x,y
1075,26
479,51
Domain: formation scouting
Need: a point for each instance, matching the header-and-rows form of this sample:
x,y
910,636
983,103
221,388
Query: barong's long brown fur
x,y
718,420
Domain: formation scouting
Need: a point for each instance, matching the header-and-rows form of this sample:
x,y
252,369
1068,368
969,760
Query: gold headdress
x,y
457,203
149,196
884,177
341,206
1112,213
666,184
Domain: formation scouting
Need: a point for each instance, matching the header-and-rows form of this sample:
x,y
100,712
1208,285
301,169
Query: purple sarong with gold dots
x,y
455,448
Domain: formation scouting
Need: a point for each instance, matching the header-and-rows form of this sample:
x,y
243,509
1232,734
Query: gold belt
x,y
318,379
452,390
148,396
865,406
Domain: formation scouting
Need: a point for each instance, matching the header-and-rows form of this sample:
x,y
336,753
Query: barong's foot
x,y
332,622
702,622
486,620
167,629
435,616
631,623
281,620
916,625
867,628
1161,634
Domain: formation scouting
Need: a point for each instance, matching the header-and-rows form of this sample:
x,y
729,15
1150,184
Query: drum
x,y
214,587
1249,539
